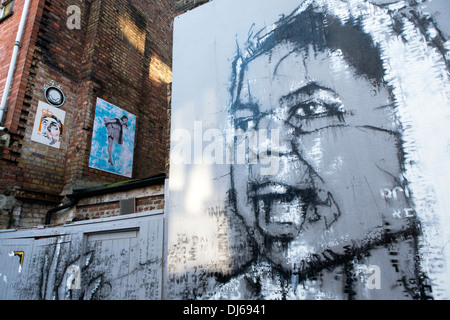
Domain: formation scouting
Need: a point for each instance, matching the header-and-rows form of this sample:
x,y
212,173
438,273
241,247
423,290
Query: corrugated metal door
x,y
104,259
15,260
112,267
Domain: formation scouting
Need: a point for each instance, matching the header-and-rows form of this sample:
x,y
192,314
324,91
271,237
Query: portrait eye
x,y
312,109
244,123
244,119
307,110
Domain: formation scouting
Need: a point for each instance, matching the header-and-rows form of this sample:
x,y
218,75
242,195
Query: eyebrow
x,y
307,90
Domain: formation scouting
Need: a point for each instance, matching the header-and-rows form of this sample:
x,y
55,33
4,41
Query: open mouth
x,y
282,211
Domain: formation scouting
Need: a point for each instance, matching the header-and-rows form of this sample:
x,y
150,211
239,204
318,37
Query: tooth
x,y
284,212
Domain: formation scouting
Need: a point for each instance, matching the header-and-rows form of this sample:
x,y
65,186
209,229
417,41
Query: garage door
x,y
103,259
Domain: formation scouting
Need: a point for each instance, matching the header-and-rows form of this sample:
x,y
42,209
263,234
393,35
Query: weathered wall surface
x,y
145,199
116,258
306,160
11,175
14,121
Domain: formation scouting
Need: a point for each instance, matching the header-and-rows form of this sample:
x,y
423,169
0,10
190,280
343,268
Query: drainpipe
x,y
50,212
12,65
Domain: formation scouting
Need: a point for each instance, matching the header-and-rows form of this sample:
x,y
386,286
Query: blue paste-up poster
x,y
113,139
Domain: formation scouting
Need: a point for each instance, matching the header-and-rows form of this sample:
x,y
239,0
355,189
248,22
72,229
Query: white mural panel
x,y
309,151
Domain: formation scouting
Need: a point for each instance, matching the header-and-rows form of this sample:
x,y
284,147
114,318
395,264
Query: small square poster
x,y
48,125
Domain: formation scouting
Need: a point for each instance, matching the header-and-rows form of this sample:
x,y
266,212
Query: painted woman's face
x,y
51,127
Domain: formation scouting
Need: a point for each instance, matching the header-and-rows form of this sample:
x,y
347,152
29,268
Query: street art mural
x,y
306,157
113,139
49,125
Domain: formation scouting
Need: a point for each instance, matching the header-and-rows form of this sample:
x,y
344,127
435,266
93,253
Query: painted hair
x,y
319,30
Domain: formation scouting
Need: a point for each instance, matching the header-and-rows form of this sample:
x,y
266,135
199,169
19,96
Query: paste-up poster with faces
x,y
48,125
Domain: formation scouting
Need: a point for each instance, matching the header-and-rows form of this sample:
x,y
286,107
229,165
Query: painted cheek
x,y
323,150
53,131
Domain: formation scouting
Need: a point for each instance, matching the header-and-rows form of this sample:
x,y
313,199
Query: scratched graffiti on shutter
x,y
109,259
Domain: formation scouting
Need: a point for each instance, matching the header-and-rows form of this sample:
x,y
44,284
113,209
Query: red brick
x,y
84,63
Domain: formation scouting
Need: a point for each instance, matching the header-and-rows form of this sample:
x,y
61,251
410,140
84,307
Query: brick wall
x,y
112,209
185,5
33,214
135,35
13,119
150,203
108,205
121,54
